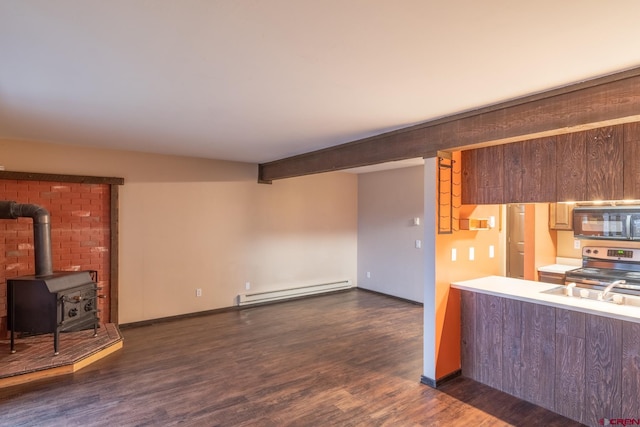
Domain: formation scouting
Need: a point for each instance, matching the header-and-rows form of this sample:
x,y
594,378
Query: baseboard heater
x,y
283,294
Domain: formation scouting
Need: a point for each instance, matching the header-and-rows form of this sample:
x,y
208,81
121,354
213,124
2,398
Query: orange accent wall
x,y
539,241
447,271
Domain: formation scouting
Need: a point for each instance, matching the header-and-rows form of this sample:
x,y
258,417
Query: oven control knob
x,y
595,251
73,312
588,251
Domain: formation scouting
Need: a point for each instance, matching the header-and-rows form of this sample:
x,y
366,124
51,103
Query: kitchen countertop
x,y
529,291
557,268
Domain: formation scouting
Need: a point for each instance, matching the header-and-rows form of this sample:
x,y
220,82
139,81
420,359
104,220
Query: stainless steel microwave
x,y
610,222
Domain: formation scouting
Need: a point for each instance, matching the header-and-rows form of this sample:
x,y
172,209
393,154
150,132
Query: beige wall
x,y
565,246
388,201
189,223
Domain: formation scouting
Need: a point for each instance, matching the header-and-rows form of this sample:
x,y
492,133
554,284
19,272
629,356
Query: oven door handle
x,y
585,281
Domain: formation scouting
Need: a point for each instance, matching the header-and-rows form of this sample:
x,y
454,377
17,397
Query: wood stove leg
x,y
56,339
13,320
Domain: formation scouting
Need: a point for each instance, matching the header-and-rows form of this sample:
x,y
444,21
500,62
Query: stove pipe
x,y
41,232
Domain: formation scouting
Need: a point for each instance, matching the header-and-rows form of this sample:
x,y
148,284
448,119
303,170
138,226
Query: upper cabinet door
x,y
605,149
539,162
530,171
482,176
571,176
513,172
632,160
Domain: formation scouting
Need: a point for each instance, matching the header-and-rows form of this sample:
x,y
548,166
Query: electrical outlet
x,y
247,286
576,244
199,292
368,275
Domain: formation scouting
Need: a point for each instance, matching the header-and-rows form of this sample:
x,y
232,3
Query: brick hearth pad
x,y
35,353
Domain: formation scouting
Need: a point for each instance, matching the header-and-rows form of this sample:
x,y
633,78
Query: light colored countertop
x,y
557,268
529,291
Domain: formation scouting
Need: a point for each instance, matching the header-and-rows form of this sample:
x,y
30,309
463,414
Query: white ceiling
x,y
259,80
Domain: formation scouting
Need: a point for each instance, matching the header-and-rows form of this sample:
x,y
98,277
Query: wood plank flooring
x,y
346,359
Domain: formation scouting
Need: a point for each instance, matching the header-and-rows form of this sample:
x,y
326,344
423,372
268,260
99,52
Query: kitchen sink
x,y
582,293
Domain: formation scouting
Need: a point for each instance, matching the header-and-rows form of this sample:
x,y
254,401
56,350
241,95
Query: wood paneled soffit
x,y
603,101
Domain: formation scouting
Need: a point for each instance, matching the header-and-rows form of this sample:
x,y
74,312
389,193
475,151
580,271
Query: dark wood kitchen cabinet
x,y
631,164
529,170
630,369
571,167
570,364
509,345
586,165
605,151
482,176
603,368
590,165
528,352
581,365
489,340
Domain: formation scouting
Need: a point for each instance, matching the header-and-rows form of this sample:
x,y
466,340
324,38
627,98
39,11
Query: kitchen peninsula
x,y
574,356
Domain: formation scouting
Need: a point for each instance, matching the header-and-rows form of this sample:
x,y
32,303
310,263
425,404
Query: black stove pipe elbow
x,y
41,232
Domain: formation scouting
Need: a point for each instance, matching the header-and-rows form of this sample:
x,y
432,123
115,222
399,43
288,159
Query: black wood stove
x,y
48,302
63,301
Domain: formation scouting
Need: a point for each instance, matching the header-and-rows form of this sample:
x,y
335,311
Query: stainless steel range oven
x,y
604,265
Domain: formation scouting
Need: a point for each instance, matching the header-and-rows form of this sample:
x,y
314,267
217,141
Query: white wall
x,y
188,223
432,327
388,201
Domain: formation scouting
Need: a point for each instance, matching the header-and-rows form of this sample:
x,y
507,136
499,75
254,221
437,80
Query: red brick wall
x,y
80,233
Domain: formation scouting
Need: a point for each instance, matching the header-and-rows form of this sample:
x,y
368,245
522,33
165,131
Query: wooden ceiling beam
x,y
602,101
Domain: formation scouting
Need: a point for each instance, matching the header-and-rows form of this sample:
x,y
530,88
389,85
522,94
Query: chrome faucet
x,y
568,290
610,286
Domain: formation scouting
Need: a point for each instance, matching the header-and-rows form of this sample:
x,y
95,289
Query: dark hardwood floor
x,y
346,359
